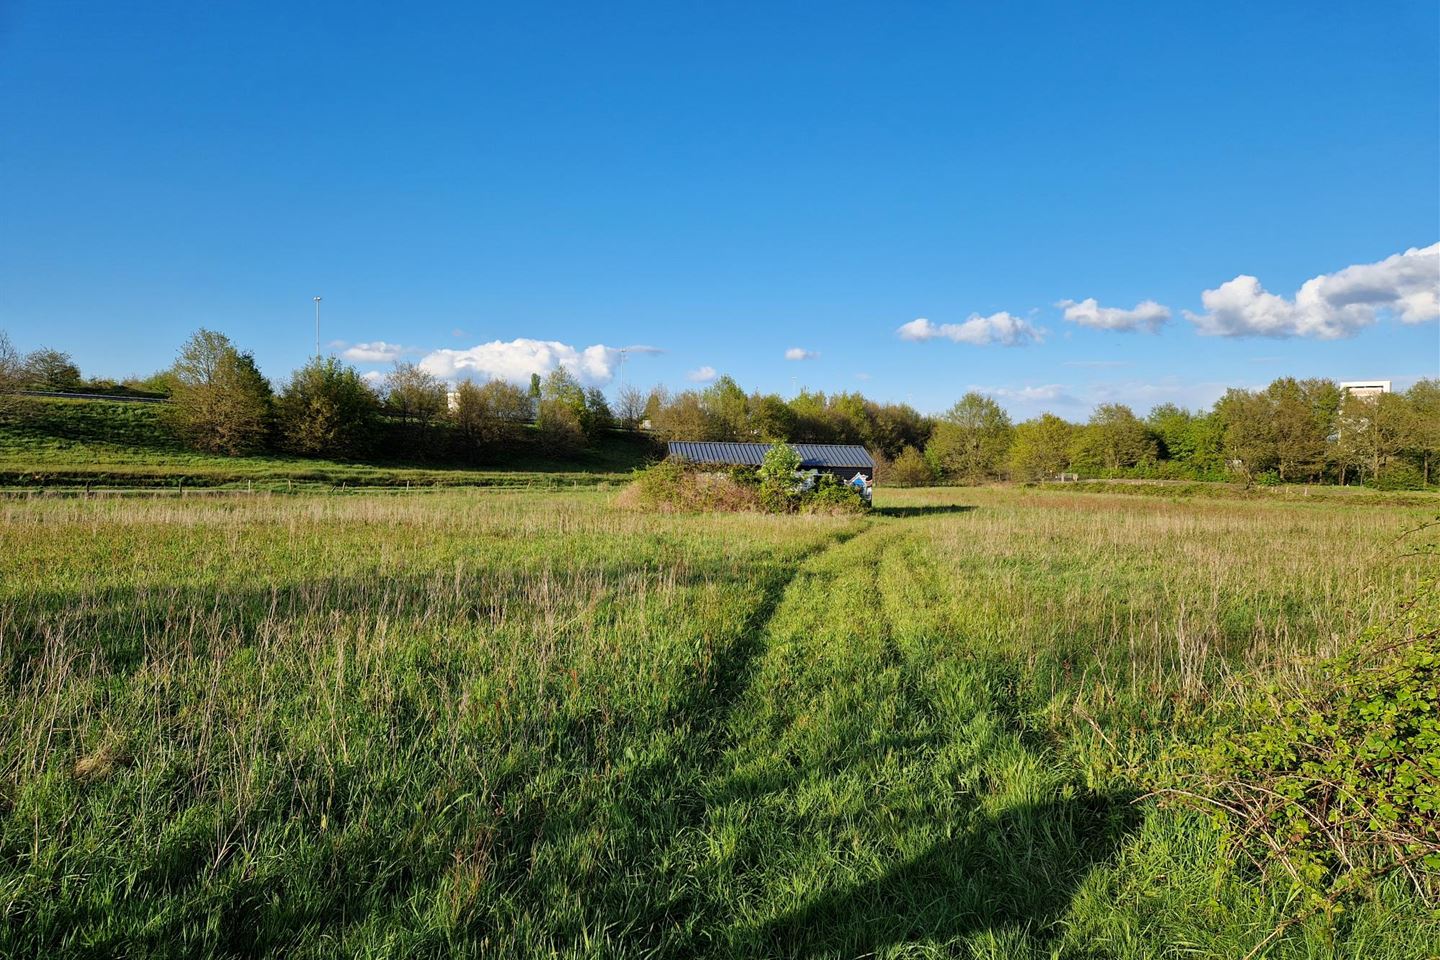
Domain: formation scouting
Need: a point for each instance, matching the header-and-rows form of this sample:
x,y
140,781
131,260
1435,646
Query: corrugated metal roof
x,y
751,454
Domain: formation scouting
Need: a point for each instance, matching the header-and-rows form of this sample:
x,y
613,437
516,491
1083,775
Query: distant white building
x,y
1365,388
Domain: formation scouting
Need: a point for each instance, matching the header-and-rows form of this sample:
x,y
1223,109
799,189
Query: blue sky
x,y
726,182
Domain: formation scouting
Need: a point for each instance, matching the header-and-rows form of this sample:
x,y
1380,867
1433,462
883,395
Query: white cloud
x,y
1046,393
702,375
377,352
800,353
1003,328
372,377
1405,285
1146,314
515,360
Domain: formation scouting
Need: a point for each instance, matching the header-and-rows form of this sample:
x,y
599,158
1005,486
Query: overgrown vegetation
x,y
777,486
535,725
1336,780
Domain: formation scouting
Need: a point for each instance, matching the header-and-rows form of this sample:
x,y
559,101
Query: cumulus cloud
x,y
515,361
1146,315
1002,328
702,374
800,353
377,352
1330,306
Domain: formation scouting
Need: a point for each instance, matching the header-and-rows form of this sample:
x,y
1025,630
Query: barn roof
x,y
751,454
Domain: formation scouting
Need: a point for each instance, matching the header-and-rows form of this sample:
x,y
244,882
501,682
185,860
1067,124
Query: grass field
x,y
487,723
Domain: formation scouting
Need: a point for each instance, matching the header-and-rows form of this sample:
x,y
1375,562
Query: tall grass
x,y
521,724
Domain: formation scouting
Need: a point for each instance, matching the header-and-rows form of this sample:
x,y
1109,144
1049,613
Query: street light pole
x,y
317,326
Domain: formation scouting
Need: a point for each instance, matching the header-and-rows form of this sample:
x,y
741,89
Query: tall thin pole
x,y
317,326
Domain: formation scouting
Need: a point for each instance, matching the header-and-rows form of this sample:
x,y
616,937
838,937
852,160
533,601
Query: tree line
x,y
1291,431
221,403
1308,431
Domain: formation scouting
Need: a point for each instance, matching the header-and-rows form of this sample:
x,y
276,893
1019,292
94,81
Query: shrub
x,y
1339,782
328,410
779,492
911,469
221,403
831,495
677,485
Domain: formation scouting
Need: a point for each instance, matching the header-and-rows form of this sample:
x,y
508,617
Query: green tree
x,y
770,417
12,374
220,402
414,395
895,426
1041,448
726,408
1301,416
47,369
777,477
911,469
598,417
684,417
971,442
811,419
630,407
1171,426
1373,431
1424,399
564,414
1113,439
491,415
1248,437
328,410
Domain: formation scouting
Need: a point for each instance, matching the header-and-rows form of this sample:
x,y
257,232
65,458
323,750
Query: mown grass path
x,y
875,790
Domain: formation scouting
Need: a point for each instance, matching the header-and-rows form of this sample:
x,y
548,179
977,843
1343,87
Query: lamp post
x,y
317,327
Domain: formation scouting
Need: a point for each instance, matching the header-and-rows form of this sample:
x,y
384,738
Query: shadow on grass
x,y
928,510
1016,872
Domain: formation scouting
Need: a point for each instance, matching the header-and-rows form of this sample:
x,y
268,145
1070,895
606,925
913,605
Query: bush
x,y
779,490
911,469
328,410
831,495
677,485
1398,476
1339,782
221,403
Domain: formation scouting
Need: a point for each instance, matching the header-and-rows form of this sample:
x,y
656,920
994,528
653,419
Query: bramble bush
x,y
1339,782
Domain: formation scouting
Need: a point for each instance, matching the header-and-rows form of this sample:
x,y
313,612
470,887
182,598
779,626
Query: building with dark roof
x,y
841,459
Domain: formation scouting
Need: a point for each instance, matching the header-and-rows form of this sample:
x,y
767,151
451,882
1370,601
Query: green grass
x,y
97,444
537,724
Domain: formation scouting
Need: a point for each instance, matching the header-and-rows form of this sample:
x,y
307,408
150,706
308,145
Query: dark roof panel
x,y
751,454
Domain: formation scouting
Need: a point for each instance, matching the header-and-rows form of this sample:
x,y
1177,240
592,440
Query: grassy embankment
x,y
100,444
538,725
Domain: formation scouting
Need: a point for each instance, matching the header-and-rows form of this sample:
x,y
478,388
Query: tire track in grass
x,y
874,793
